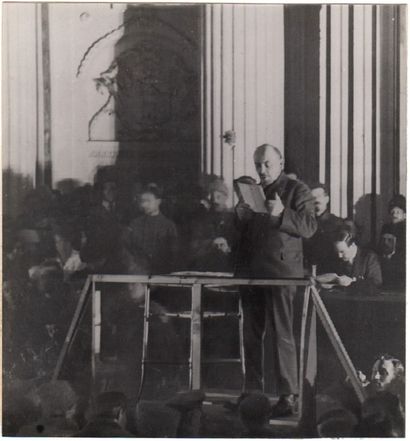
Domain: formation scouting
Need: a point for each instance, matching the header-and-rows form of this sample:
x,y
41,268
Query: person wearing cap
x,y
189,406
254,412
392,245
318,249
109,419
275,239
213,234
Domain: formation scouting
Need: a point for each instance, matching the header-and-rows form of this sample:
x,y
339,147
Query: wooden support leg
x,y
241,342
302,355
308,372
196,336
337,344
96,332
145,338
75,323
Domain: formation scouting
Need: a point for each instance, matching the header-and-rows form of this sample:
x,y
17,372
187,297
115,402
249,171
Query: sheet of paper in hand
x,y
251,194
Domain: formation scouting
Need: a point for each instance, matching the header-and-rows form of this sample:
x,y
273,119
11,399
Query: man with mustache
x,y
319,249
275,251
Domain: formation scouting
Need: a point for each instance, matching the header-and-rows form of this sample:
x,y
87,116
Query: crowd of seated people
x,y
392,246
340,257
59,238
339,413
53,409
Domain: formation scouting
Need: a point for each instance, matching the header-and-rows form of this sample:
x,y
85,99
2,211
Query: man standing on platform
x,y
276,252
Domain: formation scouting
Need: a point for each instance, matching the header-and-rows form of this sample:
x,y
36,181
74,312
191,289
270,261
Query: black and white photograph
x,y
204,219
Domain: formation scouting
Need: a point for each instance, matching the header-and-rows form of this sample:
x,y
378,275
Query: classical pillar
x,y
243,73
362,85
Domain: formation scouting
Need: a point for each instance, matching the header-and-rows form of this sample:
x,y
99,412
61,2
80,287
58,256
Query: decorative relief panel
x,y
151,87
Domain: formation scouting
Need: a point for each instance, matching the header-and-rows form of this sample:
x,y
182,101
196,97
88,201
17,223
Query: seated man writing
x,y
356,268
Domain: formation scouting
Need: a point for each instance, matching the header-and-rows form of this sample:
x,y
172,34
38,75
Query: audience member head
x,y
29,241
254,411
397,209
109,191
113,406
321,195
66,238
106,184
345,245
337,423
221,244
386,370
382,416
268,161
203,197
387,244
56,399
38,206
19,411
219,193
150,200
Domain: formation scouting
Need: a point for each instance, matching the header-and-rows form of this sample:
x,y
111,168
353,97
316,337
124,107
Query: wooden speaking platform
x,y
312,306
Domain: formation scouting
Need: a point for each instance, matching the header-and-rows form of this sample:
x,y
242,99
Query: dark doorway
x,y
302,90
158,99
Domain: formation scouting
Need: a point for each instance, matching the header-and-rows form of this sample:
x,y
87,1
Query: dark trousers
x,y
277,302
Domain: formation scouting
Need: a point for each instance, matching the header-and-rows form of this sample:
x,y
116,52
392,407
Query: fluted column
x,y
243,84
362,81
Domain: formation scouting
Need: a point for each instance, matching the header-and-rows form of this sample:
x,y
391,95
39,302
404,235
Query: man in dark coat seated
x,y
103,231
275,252
357,269
213,233
153,237
392,246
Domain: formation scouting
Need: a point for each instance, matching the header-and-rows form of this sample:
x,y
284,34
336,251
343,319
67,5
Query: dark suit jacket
x,y
394,266
366,269
275,243
154,239
319,249
103,231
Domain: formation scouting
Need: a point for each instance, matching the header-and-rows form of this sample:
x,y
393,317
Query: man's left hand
x,y
275,206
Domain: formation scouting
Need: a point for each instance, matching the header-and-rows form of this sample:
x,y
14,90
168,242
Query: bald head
x,y
268,163
262,149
